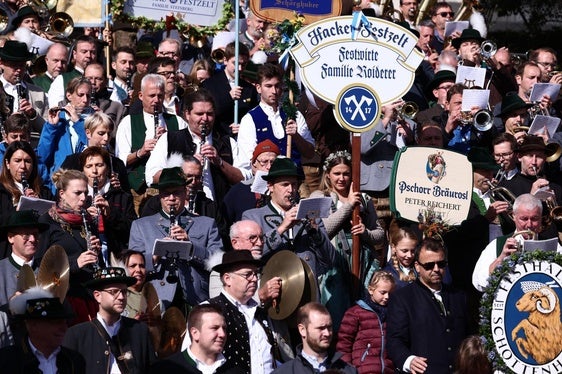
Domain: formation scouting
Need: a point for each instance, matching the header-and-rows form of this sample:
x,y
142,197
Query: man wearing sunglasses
x,y
426,320
440,14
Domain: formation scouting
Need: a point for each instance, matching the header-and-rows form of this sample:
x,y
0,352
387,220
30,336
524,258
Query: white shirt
x,y
111,331
247,139
118,89
123,138
47,365
20,261
11,90
203,367
57,90
260,349
481,271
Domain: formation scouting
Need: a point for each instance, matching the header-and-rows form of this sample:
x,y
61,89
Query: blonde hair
x,y
62,177
96,120
397,233
379,276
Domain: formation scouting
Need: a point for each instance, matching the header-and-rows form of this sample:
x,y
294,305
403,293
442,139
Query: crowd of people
x,y
168,205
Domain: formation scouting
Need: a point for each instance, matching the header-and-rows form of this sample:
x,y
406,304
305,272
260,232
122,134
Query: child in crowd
x,y
403,242
362,333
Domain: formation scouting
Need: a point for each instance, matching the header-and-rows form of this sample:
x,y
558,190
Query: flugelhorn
x,y
483,120
408,110
522,235
498,193
488,49
218,56
60,25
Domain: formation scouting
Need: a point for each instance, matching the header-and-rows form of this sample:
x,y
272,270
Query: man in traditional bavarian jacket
x,y
249,342
201,141
137,134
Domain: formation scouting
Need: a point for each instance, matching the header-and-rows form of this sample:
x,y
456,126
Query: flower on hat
x,y
332,156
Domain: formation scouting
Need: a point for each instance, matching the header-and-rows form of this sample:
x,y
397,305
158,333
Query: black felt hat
x,y
512,102
233,258
15,51
24,219
481,158
281,167
107,276
171,177
467,34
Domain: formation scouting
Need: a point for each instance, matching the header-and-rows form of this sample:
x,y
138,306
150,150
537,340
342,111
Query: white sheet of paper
x,y
314,207
259,185
542,122
472,98
34,203
451,27
541,89
549,245
471,76
169,248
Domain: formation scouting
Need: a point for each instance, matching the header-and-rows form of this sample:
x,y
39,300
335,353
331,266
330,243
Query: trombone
x,y
482,121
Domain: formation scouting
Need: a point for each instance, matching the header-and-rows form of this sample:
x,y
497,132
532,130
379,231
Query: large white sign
x,y
194,12
383,57
431,179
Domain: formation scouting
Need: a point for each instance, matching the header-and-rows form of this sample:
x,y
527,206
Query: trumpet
x,y
554,72
482,121
537,110
522,235
488,49
408,110
218,56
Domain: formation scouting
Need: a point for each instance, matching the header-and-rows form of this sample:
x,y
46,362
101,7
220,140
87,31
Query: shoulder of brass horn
x,y
3,20
556,151
60,25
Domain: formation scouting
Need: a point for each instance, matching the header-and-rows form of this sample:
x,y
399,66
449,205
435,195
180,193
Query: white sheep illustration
x,y
543,329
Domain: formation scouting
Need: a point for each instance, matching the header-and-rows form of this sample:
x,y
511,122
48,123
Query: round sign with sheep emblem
x,y
521,322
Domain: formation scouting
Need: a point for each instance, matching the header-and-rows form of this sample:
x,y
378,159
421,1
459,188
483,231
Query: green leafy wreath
x,y
494,280
184,28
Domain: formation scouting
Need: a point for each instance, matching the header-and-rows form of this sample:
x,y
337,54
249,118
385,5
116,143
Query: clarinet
x,y
24,182
88,234
20,89
156,122
191,201
3,130
204,134
173,218
95,192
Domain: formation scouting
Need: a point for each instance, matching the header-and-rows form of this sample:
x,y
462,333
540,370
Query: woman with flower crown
x,y
336,288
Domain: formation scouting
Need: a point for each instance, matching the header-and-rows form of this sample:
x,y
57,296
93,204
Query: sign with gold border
x,y
431,179
312,10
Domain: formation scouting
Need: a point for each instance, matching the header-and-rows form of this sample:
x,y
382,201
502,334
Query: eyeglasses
x,y
547,64
446,88
445,14
197,177
498,156
431,265
176,193
116,291
166,74
249,275
254,238
264,163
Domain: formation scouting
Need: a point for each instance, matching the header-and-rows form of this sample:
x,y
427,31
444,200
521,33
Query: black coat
x,y
133,337
416,325
19,359
180,362
219,87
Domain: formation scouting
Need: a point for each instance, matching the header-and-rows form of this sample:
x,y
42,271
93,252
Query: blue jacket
x,y
55,145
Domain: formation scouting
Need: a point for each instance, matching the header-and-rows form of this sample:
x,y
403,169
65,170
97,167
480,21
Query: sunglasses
x,y
431,265
445,14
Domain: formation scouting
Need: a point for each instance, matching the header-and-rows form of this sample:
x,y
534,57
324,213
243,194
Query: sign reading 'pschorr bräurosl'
x,y
430,179
360,74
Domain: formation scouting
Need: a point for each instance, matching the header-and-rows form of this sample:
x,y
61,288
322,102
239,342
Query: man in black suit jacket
x,y
111,343
222,88
426,319
45,323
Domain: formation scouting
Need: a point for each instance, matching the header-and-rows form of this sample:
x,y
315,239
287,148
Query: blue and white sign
x,y
357,108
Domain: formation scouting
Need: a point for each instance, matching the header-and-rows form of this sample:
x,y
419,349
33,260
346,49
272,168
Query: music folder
x,y
41,206
314,207
170,248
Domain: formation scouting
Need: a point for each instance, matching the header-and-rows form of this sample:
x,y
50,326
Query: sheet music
x,y
34,203
473,98
314,207
540,123
451,27
171,248
471,76
541,89
259,185
549,245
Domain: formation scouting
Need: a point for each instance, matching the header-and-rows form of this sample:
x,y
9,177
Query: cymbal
x,y
26,278
288,266
311,289
54,272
